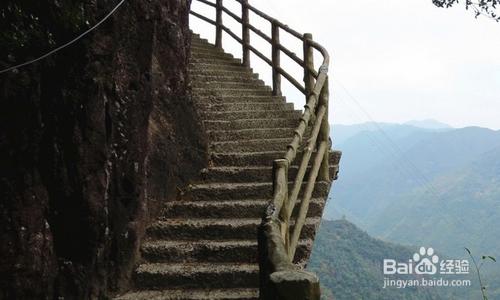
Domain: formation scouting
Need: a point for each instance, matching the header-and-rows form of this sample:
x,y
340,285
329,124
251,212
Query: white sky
x,y
400,60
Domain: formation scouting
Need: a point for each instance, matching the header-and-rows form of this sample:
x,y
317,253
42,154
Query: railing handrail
x,y
290,54
280,252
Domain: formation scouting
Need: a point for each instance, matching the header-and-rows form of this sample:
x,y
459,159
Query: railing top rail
x,y
232,15
202,17
272,20
296,34
312,92
208,3
326,57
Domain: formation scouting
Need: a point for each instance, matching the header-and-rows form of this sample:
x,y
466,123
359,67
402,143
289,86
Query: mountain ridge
x,y
438,188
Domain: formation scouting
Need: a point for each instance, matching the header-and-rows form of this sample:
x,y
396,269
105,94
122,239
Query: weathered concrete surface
x,y
299,285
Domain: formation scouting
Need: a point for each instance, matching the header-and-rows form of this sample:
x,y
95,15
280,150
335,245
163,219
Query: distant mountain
x,y
432,187
463,203
341,133
428,124
349,264
376,171
378,145
463,212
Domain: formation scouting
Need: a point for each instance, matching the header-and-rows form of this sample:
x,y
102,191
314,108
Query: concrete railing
x,y
280,278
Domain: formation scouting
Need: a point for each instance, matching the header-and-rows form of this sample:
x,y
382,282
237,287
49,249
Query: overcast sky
x,y
398,60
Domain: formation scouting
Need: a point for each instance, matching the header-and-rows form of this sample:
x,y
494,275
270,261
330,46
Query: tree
x,y
488,8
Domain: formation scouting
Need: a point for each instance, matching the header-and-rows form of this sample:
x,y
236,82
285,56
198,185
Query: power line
x,y
397,150
377,143
427,184
66,44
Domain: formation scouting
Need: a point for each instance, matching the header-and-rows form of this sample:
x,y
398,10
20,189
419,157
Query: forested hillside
x,y
426,187
349,264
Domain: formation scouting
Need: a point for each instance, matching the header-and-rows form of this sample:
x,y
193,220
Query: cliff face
x,y
91,141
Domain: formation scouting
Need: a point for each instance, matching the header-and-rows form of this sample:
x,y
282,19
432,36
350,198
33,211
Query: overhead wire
x,y
422,179
29,62
393,145
375,141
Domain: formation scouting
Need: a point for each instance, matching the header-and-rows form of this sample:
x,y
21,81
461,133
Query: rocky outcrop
x,y
91,140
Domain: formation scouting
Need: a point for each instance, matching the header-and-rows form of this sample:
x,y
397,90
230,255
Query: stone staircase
x,y
204,246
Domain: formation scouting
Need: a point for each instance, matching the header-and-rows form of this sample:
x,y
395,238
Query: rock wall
x,y
92,140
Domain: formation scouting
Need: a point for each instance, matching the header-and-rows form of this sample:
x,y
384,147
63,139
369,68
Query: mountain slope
x,y
366,189
342,133
468,201
442,191
349,264
429,124
465,213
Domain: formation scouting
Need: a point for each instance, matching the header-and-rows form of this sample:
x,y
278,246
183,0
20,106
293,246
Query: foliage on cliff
x,y
31,28
92,141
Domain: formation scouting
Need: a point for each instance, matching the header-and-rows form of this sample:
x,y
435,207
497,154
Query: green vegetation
x,y
349,264
488,8
30,28
478,267
441,190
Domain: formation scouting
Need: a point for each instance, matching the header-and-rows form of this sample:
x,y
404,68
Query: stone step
x,y
197,44
205,251
234,92
249,134
270,144
260,158
264,158
208,55
249,124
193,294
251,174
243,84
204,47
199,40
242,106
207,48
248,208
195,35
248,139
201,54
201,48
235,77
243,190
236,251
197,275
241,71
216,229
256,114
214,61
242,99
214,66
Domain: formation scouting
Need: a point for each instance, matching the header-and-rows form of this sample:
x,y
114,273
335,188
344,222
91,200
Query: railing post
x,y
218,24
245,33
308,65
280,184
324,133
275,38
